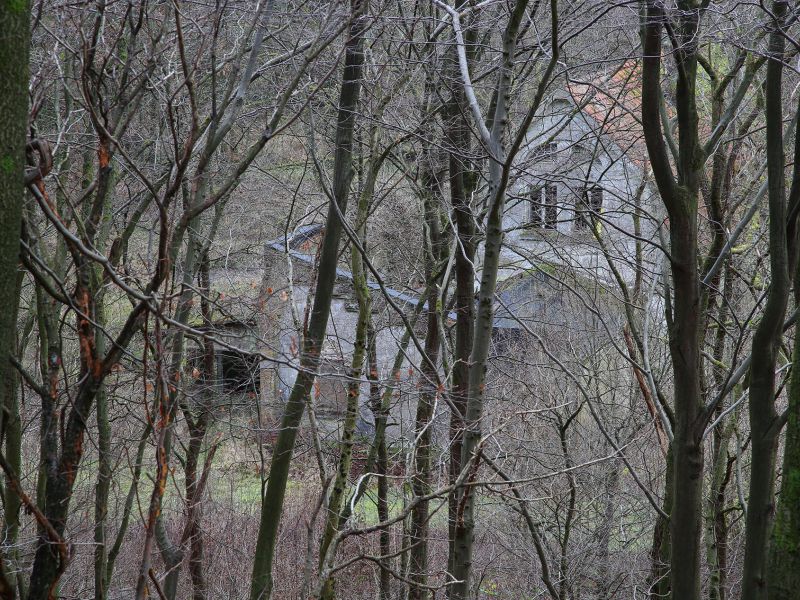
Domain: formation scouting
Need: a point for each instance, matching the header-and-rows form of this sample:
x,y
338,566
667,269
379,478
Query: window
x,y
543,214
551,206
581,153
239,371
546,151
506,341
589,207
535,210
596,200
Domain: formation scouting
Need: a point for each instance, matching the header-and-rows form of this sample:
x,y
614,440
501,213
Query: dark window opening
x,y
596,199
581,153
239,372
535,216
546,151
590,205
551,206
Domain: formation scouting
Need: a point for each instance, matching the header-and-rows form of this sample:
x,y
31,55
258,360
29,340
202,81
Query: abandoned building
x,y
235,368
577,209
584,195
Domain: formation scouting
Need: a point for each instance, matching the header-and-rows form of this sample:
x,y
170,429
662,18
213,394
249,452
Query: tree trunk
x,y
102,489
764,421
11,429
104,468
272,502
198,428
334,513
421,478
783,570
684,319
605,529
113,552
463,531
564,585
14,52
167,400
660,585
464,301
382,469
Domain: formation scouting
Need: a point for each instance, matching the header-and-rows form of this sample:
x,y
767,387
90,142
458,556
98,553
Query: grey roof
x,y
502,317
302,234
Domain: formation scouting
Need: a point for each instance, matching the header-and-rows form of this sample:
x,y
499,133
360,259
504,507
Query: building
x,y
584,192
579,203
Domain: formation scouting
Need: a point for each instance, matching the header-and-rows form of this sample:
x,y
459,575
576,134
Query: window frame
x,y
546,152
589,206
535,206
550,220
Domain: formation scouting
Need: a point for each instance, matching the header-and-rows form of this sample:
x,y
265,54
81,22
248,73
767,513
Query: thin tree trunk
x,y
659,582
272,502
717,520
104,469
721,468
193,528
102,490
381,468
114,551
198,428
383,407
464,530
611,496
421,478
168,398
164,416
464,304
172,556
564,587
364,300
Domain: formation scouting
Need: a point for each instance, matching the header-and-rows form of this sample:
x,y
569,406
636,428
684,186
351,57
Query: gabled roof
x,y
302,237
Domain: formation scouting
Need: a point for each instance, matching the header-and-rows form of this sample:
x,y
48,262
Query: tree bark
x,y
764,420
783,569
382,470
421,479
14,53
464,529
458,137
681,200
660,585
334,509
272,502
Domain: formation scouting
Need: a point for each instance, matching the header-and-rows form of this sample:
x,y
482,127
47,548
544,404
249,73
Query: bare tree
x,y
312,341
